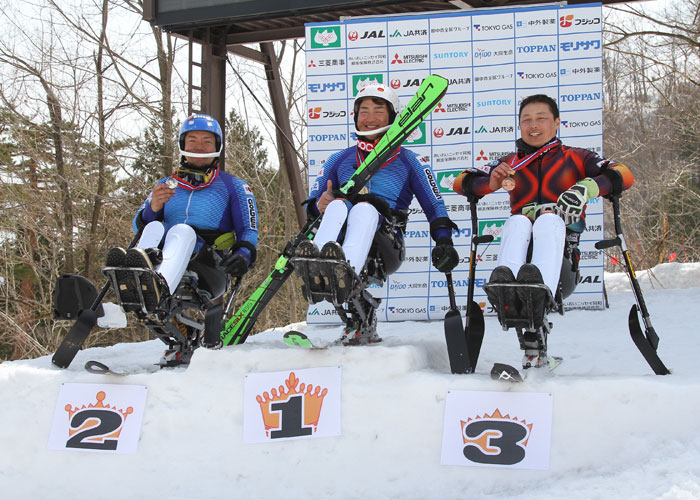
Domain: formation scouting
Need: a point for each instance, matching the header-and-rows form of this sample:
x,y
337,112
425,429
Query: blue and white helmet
x,y
200,121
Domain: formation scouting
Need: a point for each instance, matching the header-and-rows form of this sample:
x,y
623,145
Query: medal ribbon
x,y
529,158
209,179
359,157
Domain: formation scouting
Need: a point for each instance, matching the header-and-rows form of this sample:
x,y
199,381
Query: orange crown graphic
x,y
312,402
482,440
92,422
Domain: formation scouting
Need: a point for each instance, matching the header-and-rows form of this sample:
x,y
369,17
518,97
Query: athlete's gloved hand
x,y
445,256
235,265
571,202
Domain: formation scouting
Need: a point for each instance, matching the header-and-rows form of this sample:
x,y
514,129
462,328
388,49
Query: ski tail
x,y
239,326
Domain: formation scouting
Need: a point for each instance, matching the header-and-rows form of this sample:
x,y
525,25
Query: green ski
x,y
433,88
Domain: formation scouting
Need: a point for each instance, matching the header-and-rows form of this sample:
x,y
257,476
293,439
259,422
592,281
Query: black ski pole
x,y
646,341
475,326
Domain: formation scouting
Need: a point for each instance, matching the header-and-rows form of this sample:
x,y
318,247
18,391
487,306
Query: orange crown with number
x,y
482,440
92,422
312,402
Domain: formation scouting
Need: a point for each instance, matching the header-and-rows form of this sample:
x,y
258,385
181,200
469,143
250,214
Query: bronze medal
x,y
508,183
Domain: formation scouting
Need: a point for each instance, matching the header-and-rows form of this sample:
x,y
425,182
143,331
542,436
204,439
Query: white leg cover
x,y
362,226
548,237
331,224
177,251
515,240
152,235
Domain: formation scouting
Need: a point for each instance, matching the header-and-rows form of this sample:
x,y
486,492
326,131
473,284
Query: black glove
x,y
445,257
235,265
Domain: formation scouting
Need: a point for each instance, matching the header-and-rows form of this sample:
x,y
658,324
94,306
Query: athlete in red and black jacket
x,y
549,185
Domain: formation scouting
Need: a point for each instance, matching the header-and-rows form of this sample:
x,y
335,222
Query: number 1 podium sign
x,y
294,404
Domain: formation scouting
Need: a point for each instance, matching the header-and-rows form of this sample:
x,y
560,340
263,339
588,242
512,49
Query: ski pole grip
x,y
602,245
484,238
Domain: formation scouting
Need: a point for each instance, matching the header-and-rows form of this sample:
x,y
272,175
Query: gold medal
x,y
509,183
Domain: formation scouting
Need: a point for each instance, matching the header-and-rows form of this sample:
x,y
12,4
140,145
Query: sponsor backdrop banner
x,y
492,59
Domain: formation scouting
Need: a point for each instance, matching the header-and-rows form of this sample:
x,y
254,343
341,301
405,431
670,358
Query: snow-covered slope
x,y
618,430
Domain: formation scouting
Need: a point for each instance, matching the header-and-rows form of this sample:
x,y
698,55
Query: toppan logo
x,y
328,36
536,49
327,137
591,96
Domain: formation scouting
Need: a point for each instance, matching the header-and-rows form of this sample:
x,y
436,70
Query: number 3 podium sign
x,y
497,429
291,405
98,418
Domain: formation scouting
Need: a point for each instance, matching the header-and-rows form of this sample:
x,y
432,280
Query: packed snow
x,y
618,430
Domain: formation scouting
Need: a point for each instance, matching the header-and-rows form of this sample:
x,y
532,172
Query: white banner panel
x,y
497,429
492,60
298,404
102,418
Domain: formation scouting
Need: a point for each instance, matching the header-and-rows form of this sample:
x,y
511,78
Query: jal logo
x,y
590,279
438,132
354,36
458,131
325,37
395,83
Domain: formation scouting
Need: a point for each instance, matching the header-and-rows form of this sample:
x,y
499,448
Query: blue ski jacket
x,y
226,204
404,176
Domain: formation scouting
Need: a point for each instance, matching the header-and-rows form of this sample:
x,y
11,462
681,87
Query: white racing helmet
x,y
377,91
